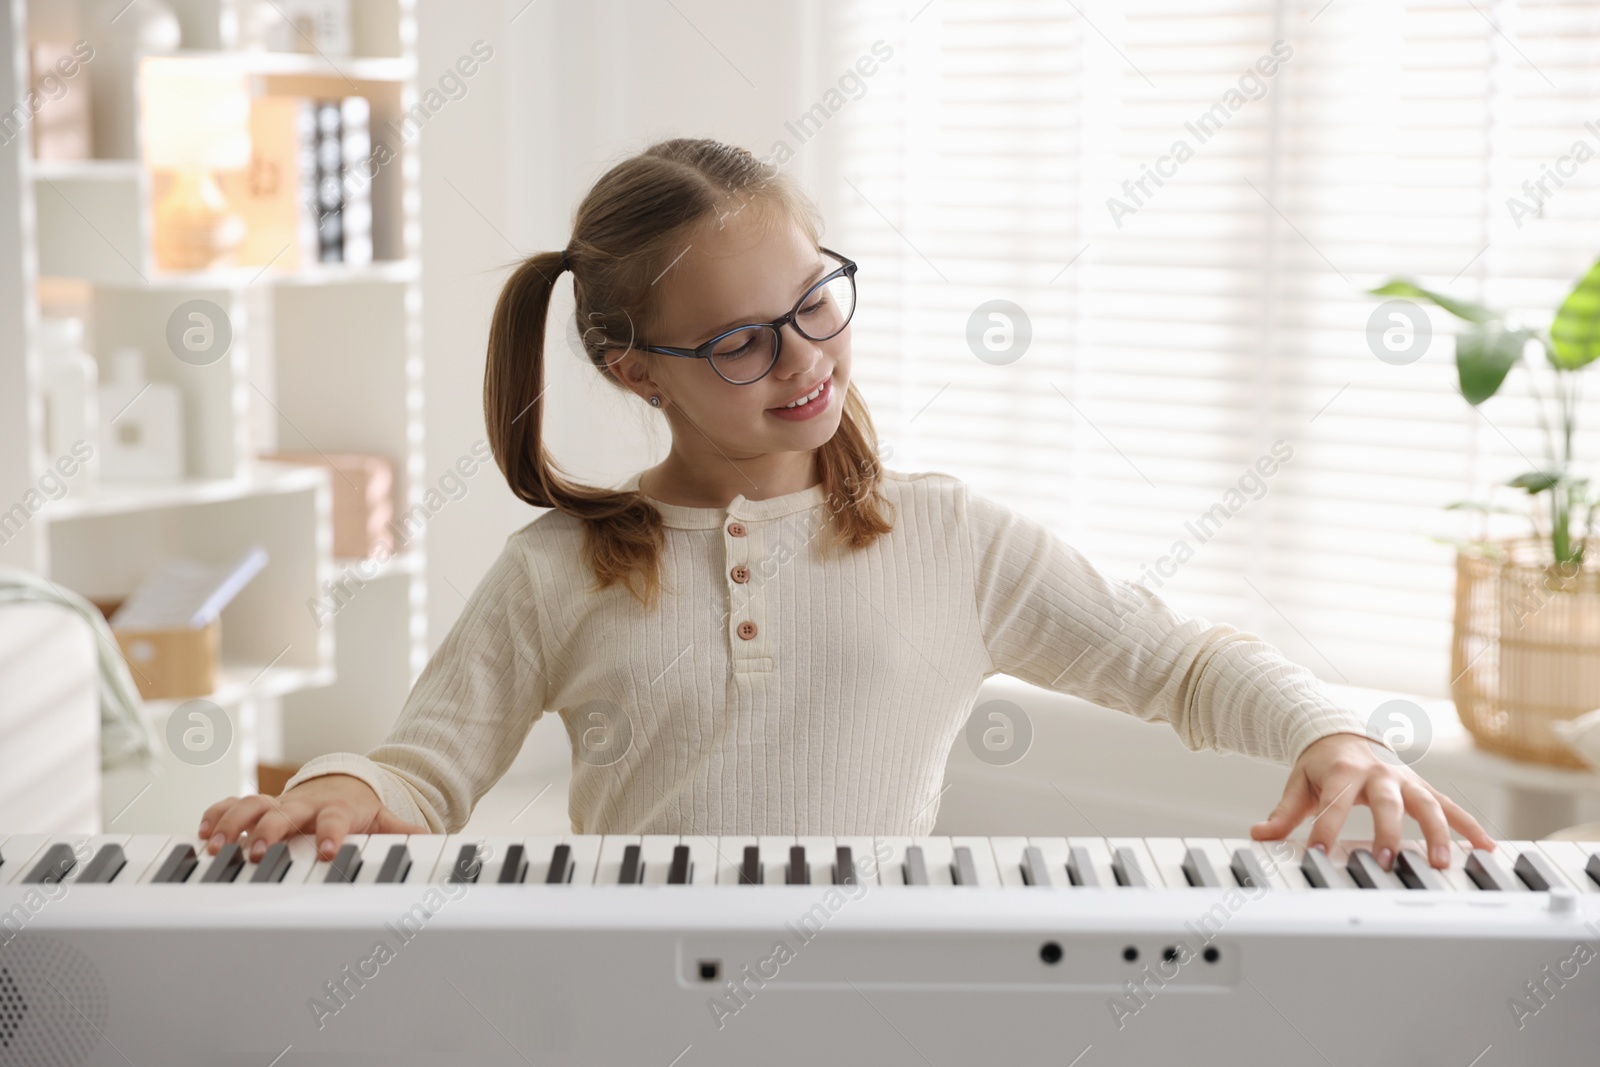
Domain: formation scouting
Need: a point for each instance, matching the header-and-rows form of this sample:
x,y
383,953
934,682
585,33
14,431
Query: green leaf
x,y
1536,481
1485,354
1575,333
1461,309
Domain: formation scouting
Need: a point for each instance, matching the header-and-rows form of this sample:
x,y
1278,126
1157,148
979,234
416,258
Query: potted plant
x,y
1526,650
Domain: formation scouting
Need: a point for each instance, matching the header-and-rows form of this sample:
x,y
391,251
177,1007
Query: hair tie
x,y
566,262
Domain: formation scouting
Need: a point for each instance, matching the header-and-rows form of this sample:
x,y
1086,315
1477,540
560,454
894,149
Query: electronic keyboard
x,y
667,950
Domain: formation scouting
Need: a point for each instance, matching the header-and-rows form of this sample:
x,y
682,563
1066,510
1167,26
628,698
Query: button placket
x,y
745,623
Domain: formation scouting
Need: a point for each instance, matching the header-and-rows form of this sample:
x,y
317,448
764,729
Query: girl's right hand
x,y
329,805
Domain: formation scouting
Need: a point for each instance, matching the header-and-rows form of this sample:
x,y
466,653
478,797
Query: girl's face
x,y
740,270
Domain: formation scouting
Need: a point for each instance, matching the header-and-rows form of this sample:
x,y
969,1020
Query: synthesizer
x,y
668,950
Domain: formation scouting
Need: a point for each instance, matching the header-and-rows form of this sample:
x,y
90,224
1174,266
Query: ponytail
x,y
627,231
622,531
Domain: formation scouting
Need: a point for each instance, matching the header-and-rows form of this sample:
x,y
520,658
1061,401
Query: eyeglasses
x,y
746,354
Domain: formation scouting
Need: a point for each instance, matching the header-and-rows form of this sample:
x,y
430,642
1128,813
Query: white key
x,y
611,848
819,857
938,856
892,871
1456,876
982,859
1569,860
1166,856
426,851
774,858
585,858
730,858
1099,859
302,858
1007,853
1220,856
1281,860
318,874
145,853
655,850
374,851
22,851
540,849
492,857
1136,844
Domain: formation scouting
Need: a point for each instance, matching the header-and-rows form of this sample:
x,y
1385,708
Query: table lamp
x,y
196,121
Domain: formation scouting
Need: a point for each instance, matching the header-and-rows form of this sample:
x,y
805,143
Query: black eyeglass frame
x,y
846,269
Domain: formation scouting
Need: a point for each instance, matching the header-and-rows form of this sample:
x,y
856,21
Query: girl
x,y
767,632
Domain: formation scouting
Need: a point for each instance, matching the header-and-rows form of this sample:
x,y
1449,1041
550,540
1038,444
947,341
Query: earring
x,y
655,401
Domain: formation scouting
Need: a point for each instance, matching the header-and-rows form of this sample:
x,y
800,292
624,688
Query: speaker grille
x,y
53,1003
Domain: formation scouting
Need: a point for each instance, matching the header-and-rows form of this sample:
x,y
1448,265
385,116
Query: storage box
x,y
173,664
363,498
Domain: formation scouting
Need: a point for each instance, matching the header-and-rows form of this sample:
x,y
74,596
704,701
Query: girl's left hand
x,y
1340,770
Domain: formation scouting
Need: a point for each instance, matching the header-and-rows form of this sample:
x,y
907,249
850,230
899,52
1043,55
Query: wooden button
x,y
741,573
736,529
747,629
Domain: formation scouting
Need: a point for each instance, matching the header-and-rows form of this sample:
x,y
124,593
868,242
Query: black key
x,y
561,866
346,864
680,872
1319,870
1488,873
1415,873
1198,869
515,868
750,869
227,865
798,873
104,867
1080,867
1247,869
1125,865
467,866
1592,868
179,864
844,866
274,864
55,865
632,869
916,866
1035,871
964,871
1537,872
1365,870
396,865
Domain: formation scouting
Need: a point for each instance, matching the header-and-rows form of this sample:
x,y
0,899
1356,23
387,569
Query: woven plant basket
x,y
1526,651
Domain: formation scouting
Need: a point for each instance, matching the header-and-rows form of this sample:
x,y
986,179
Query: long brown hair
x,y
627,230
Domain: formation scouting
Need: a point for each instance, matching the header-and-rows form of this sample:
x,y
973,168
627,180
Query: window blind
x,y
1187,199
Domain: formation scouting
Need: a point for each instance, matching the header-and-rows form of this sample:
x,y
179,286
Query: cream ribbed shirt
x,y
778,691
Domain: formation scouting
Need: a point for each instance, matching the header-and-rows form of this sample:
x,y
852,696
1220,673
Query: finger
x,y
333,823
1388,813
388,822
1466,824
274,826
211,815
239,818
1430,816
1291,810
1325,830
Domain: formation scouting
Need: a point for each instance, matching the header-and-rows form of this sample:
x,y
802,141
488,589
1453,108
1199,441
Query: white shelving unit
x,y
324,358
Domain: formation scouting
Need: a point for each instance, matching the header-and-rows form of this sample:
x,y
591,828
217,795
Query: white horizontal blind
x,y
1178,335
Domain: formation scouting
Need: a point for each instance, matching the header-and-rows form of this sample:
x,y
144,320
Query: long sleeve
x,y
469,712
1050,618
